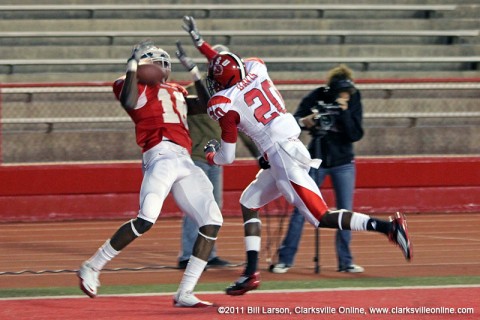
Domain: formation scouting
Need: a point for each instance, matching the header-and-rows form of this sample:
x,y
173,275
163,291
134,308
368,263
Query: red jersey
x,y
160,114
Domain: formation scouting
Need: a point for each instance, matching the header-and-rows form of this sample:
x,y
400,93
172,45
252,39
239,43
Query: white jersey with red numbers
x,y
160,114
255,107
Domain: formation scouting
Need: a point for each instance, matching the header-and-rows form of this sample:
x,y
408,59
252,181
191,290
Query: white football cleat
x,y
187,299
89,279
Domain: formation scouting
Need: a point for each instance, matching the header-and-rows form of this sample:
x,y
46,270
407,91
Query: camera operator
x,y
333,117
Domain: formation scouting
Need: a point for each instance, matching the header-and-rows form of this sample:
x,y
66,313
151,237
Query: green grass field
x,y
270,285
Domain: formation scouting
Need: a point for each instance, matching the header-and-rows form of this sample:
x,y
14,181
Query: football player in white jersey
x,y
244,98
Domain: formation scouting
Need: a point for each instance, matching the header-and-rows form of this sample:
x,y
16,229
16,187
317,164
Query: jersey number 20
x,y
266,106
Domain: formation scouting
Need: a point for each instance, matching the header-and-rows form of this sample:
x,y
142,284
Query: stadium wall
x,y
85,191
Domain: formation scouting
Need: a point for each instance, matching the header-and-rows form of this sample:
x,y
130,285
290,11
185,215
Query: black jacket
x,y
335,147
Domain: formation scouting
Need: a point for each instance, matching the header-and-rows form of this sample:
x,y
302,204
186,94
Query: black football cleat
x,y
399,235
244,284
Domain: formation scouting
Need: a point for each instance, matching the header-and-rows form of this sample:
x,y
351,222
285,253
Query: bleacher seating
x,y
108,10
364,33
70,65
81,41
448,36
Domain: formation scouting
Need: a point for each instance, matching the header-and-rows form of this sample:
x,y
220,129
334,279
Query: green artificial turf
x,y
266,285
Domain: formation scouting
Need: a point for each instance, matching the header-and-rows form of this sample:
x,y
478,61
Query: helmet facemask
x,y
152,54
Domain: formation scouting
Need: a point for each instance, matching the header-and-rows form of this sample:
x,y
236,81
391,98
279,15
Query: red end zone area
x,y
392,303
110,190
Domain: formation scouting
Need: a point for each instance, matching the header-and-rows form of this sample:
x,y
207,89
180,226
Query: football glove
x,y
212,146
263,163
137,52
186,61
190,26
138,49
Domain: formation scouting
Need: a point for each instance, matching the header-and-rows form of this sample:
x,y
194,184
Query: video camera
x,y
324,116
325,113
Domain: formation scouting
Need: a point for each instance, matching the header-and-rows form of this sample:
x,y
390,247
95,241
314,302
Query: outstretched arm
x,y
205,48
129,93
196,104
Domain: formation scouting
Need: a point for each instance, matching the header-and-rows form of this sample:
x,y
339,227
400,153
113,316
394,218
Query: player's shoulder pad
x,y
218,106
218,100
254,59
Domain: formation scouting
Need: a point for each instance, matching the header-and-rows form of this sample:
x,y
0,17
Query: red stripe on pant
x,y
312,201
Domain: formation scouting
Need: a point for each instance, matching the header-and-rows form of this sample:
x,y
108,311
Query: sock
x,y
192,273
359,221
252,260
103,255
379,226
252,246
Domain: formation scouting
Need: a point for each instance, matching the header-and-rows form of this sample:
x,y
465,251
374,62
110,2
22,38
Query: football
x,y
149,73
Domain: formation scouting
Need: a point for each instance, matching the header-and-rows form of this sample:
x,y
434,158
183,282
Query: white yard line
x,y
282,291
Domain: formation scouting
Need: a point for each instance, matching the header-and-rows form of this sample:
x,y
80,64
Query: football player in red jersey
x,y
244,98
159,112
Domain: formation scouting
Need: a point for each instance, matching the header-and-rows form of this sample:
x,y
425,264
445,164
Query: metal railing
x,y
427,10
47,122
450,36
387,88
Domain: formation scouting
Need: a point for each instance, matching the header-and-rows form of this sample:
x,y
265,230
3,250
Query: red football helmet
x,y
224,71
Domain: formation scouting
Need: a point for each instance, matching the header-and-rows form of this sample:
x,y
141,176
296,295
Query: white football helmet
x,y
149,53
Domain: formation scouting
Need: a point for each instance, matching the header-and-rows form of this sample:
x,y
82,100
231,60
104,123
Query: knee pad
x,y
151,206
140,226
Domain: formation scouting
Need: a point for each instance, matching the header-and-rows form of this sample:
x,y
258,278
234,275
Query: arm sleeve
x,y
229,123
202,93
197,104
226,153
207,50
128,95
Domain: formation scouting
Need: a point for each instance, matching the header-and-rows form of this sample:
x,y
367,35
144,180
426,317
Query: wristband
x,y
132,65
198,42
209,156
196,74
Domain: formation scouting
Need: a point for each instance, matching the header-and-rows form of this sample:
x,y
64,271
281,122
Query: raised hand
x,y
190,26
138,50
186,61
